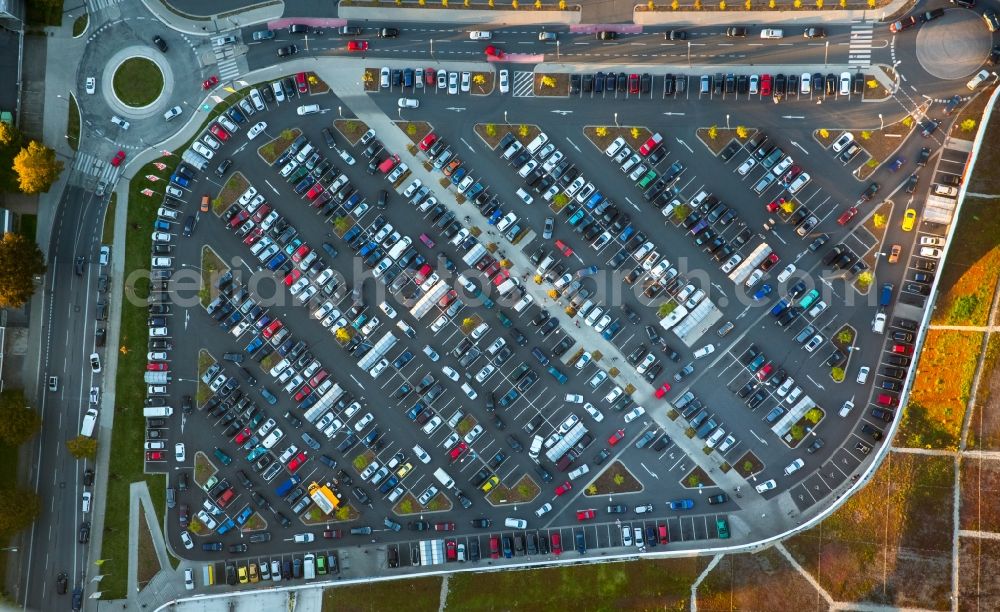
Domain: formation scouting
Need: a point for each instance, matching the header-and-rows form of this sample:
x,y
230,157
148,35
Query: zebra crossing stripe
x,y
524,84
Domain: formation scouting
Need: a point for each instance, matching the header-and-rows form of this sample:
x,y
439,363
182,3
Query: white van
x,y
309,566
161,411
89,422
545,265
515,523
443,477
397,249
772,33
507,286
537,143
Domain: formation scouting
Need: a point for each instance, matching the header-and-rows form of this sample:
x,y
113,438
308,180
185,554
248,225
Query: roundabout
x,y
953,48
138,82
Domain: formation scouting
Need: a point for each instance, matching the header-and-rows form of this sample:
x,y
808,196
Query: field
x,y
417,595
933,417
890,543
980,486
973,265
764,581
984,427
979,560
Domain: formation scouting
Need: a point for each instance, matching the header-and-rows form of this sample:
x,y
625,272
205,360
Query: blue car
x,y
226,526
177,179
612,329
457,176
496,216
682,504
276,261
255,344
161,226
779,308
761,293
256,453
267,395
244,516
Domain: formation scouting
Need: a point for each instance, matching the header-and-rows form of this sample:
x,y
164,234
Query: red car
x,y
768,263
242,436
314,192
292,276
664,538
616,437
633,83
422,274
495,547
272,328
793,172
492,51
210,82
357,45
260,213
303,392
566,486
301,252
848,215
556,543
662,390
564,248
297,462
318,378
118,159
428,141
899,349
219,132
238,220
775,205
157,366
765,85
448,298
301,83
585,515
451,550
253,236
501,276
491,269
444,526
456,452
764,372
154,455
429,76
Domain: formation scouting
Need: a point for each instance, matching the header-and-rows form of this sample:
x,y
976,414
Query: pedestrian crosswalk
x,y
226,59
859,53
524,84
95,5
94,166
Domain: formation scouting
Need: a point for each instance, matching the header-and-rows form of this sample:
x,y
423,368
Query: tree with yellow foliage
x,y
713,132
548,81
479,79
748,5
514,5
522,131
635,133
788,206
723,5
865,135
37,168
741,132
797,4
674,5
770,4
968,125
538,4
819,4
601,132
878,220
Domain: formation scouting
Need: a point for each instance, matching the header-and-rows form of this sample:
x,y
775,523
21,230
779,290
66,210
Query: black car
x,y
287,51
84,532
160,43
388,33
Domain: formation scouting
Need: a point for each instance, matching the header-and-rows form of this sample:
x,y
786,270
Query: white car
x,y
546,507
504,82
846,408
408,103
485,373
388,310
383,77
202,149
256,130
469,391
574,398
474,433
91,85
179,452
378,368
754,278
613,395
800,181
634,414
450,373
452,82
789,269
727,443
211,141
863,375
186,539
593,412
363,422
303,538
308,109
647,361
845,139
792,467
466,81
766,486
189,574
480,35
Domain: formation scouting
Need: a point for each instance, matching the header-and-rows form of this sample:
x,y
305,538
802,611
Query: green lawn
x,y
138,81
29,226
80,25
8,481
108,235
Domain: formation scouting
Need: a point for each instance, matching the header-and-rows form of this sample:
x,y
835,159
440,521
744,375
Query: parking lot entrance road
x,y
347,88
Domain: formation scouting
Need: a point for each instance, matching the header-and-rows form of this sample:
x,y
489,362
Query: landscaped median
x,y
878,144
717,139
602,136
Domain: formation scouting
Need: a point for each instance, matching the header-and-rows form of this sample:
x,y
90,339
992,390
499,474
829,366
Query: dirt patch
x,y
205,361
748,464
482,83
414,130
947,363
271,151
231,191
551,85
212,267
256,522
763,581
416,595
616,478
203,469
880,144
601,135
967,123
409,505
979,559
986,178
980,490
972,269
890,543
370,77
493,133
984,427
148,563
524,490
316,84
723,136
697,478
351,129
827,136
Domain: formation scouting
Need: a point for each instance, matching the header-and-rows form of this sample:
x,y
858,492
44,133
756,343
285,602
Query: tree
x,y
341,225
548,81
601,132
871,4
8,134
491,130
538,4
748,465
748,5
675,5
20,261
37,168
444,3
907,121
865,135
819,4
697,5
843,4
411,128
82,447
872,162
837,374
878,220
797,4
343,513
651,6
666,308
560,201
466,4
18,422
813,415
845,336
770,4
467,324
523,131
18,509
871,83
722,5
514,5
788,206
824,133
562,5
479,79
635,133
490,3
368,77
796,430
343,335
681,212
693,480
968,125
592,490
741,132
713,132
865,279
422,2
619,479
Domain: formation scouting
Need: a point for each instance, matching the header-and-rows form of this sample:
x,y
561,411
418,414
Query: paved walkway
x,y
970,328
191,24
500,17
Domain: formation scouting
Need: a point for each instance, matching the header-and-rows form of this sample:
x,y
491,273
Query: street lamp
x,y
400,111
616,120
340,111
826,53
505,118
727,121
881,123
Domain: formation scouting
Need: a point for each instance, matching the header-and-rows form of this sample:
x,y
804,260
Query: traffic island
x,y
967,123
409,505
137,82
271,151
748,465
416,131
351,129
523,491
205,361
235,186
882,144
204,469
317,85
843,340
806,424
482,83
315,516
212,268
493,133
555,85
716,139
616,478
601,135
371,77
696,479
148,565
255,523
342,225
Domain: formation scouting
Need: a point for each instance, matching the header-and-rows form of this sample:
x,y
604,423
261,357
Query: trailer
x,y
381,347
426,302
569,440
195,159
753,260
431,552
156,378
474,254
698,321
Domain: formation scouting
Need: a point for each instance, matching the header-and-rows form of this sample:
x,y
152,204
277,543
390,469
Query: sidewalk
x,y
497,17
201,26
791,19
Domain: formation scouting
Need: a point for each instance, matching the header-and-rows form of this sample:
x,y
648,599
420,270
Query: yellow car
x,y
243,575
909,218
254,577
